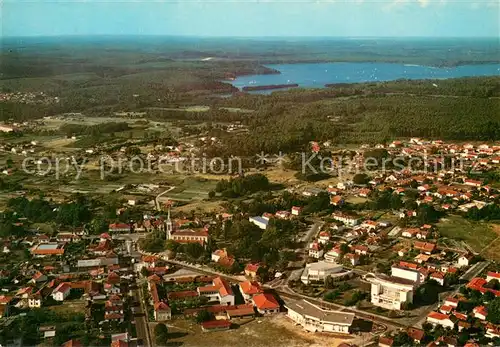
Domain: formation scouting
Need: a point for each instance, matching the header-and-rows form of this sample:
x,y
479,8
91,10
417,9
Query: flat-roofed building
x,y
318,271
316,319
390,292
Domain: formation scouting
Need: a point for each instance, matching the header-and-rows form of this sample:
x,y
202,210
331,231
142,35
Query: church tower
x,y
169,222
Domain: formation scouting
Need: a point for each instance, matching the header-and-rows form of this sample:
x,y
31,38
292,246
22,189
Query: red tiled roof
x,y
161,306
252,267
182,294
224,287
265,301
249,287
214,324
438,315
416,334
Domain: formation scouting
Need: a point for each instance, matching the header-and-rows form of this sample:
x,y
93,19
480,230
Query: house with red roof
x,y
425,247
438,318
216,325
251,270
119,228
250,288
266,303
438,276
490,276
61,292
480,312
220,290
162,312
296,210
417,335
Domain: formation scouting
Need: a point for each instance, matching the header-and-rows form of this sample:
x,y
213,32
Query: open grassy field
x,y
273,331
492,251
477,235
71,306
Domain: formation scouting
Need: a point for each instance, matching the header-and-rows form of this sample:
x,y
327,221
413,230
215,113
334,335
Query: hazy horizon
x,y
252,19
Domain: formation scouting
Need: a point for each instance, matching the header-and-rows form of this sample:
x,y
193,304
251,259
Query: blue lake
x,y
316,75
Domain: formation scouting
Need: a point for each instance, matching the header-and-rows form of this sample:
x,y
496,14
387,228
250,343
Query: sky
x,y
253,18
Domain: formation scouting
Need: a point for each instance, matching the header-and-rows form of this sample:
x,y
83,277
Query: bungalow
x,y
453,302
266,303
437,318
446,309
410,232
480,312
425,247
216,325
296,211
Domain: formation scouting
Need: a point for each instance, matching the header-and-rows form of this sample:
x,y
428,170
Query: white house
x,y
315,250
316,319
492,276
61,292
349,220
266,303
480,312
220,291
437,318
35,301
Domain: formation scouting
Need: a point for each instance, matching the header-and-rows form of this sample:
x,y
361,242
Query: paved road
x,y
285,291
157,199
467,276
288,293
313,230
141,319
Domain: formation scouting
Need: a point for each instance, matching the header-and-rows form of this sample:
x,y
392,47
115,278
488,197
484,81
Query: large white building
x,y
409,274
316,319
390,292
261,222
320,270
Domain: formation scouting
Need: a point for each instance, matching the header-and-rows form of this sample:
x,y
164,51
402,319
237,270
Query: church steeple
x,y
169,221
